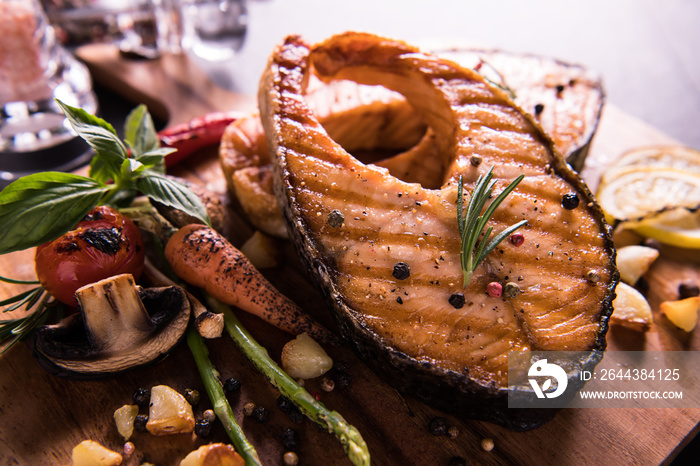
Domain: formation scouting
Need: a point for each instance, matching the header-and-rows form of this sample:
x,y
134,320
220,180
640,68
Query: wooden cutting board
x,y
42,416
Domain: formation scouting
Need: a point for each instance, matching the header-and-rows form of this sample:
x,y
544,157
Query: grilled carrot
x,y
204,258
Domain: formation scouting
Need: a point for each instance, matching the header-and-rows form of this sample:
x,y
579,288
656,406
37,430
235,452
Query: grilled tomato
x,y
103,244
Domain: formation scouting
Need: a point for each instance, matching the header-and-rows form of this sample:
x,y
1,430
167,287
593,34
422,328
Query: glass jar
x,y
35,70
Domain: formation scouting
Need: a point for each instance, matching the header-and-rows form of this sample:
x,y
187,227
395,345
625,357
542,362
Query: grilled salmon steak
x,y
386,251
565,98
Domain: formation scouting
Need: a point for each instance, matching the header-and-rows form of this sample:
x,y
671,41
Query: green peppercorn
x,y
248,409
335,218
192,396
511,290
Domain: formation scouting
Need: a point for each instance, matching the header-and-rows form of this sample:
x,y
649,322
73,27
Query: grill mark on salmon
x,y
410,319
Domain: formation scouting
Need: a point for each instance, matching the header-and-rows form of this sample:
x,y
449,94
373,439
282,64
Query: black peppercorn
x,y
232,385
296,416
260,414
401,271
290,439
203,427
560,89
284,404
142,397
539,108
688,290
140,422
642,286
342,380
570,201
457,300
438,426
342,366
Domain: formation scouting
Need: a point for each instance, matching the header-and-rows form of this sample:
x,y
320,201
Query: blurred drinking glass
x,y
129,23
213,30
35,70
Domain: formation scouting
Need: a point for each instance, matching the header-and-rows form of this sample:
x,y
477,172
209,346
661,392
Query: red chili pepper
x,y
196,134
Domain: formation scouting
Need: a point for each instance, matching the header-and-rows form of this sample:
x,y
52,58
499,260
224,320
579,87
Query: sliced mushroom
x,y
120,326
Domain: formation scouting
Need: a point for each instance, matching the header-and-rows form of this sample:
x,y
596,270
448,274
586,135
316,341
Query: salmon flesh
x,y
386,252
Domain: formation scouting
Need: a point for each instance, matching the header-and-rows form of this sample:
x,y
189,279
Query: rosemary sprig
x,y
20,328
471,223
14,281
499,83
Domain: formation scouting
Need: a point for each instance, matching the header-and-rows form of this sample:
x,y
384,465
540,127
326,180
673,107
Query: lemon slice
x,y
677,227
678,157
637,191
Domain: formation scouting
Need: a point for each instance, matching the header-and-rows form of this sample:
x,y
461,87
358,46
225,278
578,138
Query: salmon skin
x,y
386,252
566,99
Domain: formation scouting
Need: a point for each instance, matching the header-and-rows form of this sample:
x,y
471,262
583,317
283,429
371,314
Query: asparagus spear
x,y
351,439
222,408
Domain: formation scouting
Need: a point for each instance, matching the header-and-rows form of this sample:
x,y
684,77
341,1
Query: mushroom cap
x,y
98,343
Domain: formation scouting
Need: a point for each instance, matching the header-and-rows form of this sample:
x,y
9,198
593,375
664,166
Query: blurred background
x,y
645,50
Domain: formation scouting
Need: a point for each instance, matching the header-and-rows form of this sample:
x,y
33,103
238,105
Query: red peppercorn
x,y
517,239
494,289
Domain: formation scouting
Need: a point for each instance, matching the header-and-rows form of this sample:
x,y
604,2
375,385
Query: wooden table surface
x,y
43,417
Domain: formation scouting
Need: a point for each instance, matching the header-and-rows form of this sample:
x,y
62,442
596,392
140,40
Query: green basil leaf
x,y
155,159
136,167
172,193
100,171
41,207
99,134
130,169
123,198
140,132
